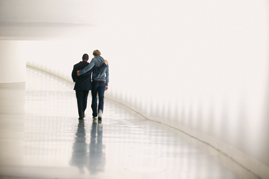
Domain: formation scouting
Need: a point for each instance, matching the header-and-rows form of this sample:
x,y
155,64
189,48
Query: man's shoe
x,y
100,114
80,118
94,119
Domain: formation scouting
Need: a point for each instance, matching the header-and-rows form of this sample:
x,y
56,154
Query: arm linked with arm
x,y
102,67
87,68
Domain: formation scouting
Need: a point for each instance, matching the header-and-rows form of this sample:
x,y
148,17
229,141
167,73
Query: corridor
x,y
54,144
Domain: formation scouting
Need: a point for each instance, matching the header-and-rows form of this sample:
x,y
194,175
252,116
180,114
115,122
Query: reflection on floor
x,y
54,144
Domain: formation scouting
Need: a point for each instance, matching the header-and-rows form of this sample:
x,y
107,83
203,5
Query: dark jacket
x,y
82,82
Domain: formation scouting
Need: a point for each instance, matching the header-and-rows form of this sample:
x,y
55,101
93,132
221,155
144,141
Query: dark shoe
x,y
94,114
80,118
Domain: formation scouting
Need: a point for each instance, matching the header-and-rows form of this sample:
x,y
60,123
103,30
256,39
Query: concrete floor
x,y
48,141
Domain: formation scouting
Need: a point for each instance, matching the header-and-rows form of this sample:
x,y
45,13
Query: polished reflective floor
x,y
48,141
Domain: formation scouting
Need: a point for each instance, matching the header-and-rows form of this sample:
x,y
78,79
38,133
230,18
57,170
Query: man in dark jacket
x,y
83,84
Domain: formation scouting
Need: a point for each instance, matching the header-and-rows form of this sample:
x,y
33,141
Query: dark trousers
x,y
82,96
98,87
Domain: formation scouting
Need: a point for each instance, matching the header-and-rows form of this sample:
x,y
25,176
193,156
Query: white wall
x,y
199,66
12,63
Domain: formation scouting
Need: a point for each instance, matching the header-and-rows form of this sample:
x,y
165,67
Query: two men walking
x,y
91,76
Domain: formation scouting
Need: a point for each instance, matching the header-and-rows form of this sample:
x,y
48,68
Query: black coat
x,y
82,82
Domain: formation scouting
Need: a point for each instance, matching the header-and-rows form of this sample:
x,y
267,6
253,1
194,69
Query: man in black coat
x,y
83,84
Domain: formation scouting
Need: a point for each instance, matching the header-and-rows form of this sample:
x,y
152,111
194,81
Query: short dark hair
x,y
96,53
85,56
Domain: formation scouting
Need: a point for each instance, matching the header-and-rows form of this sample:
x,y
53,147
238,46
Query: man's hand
x,y
106,88
78,73
105,61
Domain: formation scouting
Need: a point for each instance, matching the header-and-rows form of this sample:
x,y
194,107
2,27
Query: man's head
x,y
85,57
96,53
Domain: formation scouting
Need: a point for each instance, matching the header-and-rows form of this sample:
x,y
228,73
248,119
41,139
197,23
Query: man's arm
x,y
89,67
102,67
86,69
107,77
74,75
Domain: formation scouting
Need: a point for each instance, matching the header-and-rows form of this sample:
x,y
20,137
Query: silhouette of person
x,y
79,154
96,155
